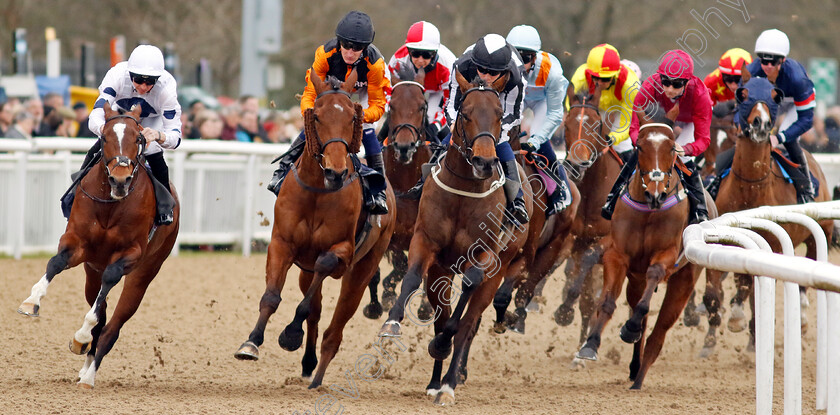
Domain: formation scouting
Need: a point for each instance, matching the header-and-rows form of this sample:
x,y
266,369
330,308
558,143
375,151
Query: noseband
x,y
466,147
417,132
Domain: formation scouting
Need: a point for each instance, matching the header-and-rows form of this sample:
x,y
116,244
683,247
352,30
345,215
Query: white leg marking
x,y
89,375
86,366
83,335
39,290
447,390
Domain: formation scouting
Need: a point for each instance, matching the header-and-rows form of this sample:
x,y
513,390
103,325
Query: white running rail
x,y
702,246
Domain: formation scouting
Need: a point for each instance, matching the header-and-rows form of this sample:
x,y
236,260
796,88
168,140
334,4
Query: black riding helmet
x,y
491,52
355,27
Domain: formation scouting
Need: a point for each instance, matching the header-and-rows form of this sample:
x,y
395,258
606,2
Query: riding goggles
x,y
728,79
674,82
491,72
770,59
425,54
142,79
349,45
527,55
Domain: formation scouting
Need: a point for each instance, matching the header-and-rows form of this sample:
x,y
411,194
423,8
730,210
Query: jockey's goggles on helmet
x,y
491,72
349,45
674,82
728,79
527,55
770,59
602,78
425,54
142,79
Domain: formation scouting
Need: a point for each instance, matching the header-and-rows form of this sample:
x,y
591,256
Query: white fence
x,y
221,186
759,260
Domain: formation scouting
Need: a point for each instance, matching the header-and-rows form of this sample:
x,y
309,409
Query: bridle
x,y
658,175
417,132
465,148
122,161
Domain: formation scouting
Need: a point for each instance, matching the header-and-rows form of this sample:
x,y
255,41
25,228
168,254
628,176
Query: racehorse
x,y
723,133
643,246
111,230
553,242
447,239
757,180
316,217
405,152
593,165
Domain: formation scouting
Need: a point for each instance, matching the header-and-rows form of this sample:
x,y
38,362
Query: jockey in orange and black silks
x,y
351,49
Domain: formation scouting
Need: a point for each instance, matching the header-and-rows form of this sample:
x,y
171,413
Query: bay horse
x,y
405,152
316,217
462,228
111,230
643,245
594,166
757,180
553,242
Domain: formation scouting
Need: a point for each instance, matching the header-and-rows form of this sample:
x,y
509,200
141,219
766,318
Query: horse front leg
x,y
615,270
421,255
278,262
441,345
712,300
374,309
737,319
631,331
68,256
439,289
332,262
389,283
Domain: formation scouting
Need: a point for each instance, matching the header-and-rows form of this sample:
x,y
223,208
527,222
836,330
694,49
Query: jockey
x,y
423,50
772,48
142,80
619,85
724,80
351,48
544,95
674,84
490,58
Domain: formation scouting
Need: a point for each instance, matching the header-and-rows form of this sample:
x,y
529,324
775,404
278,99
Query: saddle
x,y
372,181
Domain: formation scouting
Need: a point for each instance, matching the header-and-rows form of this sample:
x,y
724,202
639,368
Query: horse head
x,y
333,127
479,123
122,148
585,133
758,103
407,117
656,147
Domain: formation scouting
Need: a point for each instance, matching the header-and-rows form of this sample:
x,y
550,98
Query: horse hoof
x,y
29,309
691,319
290,339
706,352
424,312
373,311
248,351
389,298
564,315
79,348
577,364
430,391
701,310
517,326
314,384
736,325
534,305
629,335
444,398
440,351
587,353
499,327
84,386
391,328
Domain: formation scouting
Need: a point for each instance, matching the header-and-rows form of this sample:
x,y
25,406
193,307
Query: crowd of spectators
x,y
244,120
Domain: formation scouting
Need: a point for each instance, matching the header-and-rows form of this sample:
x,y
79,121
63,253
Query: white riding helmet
x,y
774,42
524,37
633,67
423,35
146,60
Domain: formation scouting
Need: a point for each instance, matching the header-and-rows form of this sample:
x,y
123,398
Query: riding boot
x,y
378,203
70,195
286,160
619,185
163,194
513,192
723,164
696,199
561,198
804,186
438,152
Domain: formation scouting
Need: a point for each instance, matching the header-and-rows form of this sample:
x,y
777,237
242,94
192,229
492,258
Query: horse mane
x,y
478,82
333,82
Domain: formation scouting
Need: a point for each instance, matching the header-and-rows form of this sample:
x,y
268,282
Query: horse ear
x,y
741,94
350,81
571,97
107,109
463,84
420,77
778,95
136,110
358,124
745,74
596,97
500,82
316,80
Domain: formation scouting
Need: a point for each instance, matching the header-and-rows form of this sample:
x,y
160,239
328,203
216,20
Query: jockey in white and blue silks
x,y
143,81
544,95
490,58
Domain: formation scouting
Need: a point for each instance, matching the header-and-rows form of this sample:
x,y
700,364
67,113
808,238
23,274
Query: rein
x,y
466,146
415,131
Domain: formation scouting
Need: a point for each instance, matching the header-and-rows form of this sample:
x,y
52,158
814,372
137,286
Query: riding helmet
x,y
355,27
146,60
525,37
774,42
491,52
